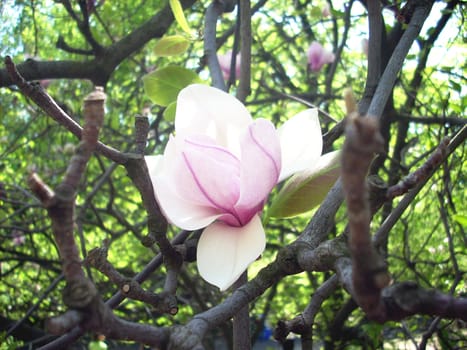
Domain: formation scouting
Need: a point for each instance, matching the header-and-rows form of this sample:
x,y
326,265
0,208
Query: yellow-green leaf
x,y
171,45
169,112
461,219
179,15
306,189
163,85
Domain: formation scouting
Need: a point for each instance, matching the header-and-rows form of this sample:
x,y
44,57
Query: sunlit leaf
x,y
461,219
169,112
97,345
163,85
456,86
315,12
179,15
171,45
305,190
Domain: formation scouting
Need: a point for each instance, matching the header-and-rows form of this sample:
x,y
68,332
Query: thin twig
x,y
385,228
49,106
303,323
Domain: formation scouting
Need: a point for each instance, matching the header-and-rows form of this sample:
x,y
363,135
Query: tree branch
x,y
369,271
214,10
106,60
49,106
386,83
244,87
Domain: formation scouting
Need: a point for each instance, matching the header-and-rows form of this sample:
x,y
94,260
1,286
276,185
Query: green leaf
x,y
455,85
171,45
305,190
97,345
179,15
315,12
461,219
169,112
163,85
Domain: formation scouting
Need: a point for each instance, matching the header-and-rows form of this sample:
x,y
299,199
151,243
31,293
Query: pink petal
x,y
178,210
318,56
208,174
315,52
224,252
260,167
301,142
225,61
205,110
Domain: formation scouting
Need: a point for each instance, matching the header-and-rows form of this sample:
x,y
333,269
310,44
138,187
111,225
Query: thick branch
x,y
105,62
375,24
396,61
60,204
369,271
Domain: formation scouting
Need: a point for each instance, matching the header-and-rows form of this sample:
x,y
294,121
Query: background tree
x,y
404,63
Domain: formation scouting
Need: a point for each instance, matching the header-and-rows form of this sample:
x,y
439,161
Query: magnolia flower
x,y
318,56
18,237
218,170
225,61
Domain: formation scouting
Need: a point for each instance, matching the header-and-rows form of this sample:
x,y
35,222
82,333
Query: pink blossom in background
x,y
225,61
18,237
45,83
217,172
318,56
326,10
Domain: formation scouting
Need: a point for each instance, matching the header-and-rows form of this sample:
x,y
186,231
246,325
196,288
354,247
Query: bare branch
x,y
386,83
44,101
163,303
244,87
369,271
303,323
214,10
421,173
103,65
383,231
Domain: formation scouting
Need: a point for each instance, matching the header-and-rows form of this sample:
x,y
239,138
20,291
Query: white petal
x,y
205,110
327,160
179,211
224,252
153,163
301,142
